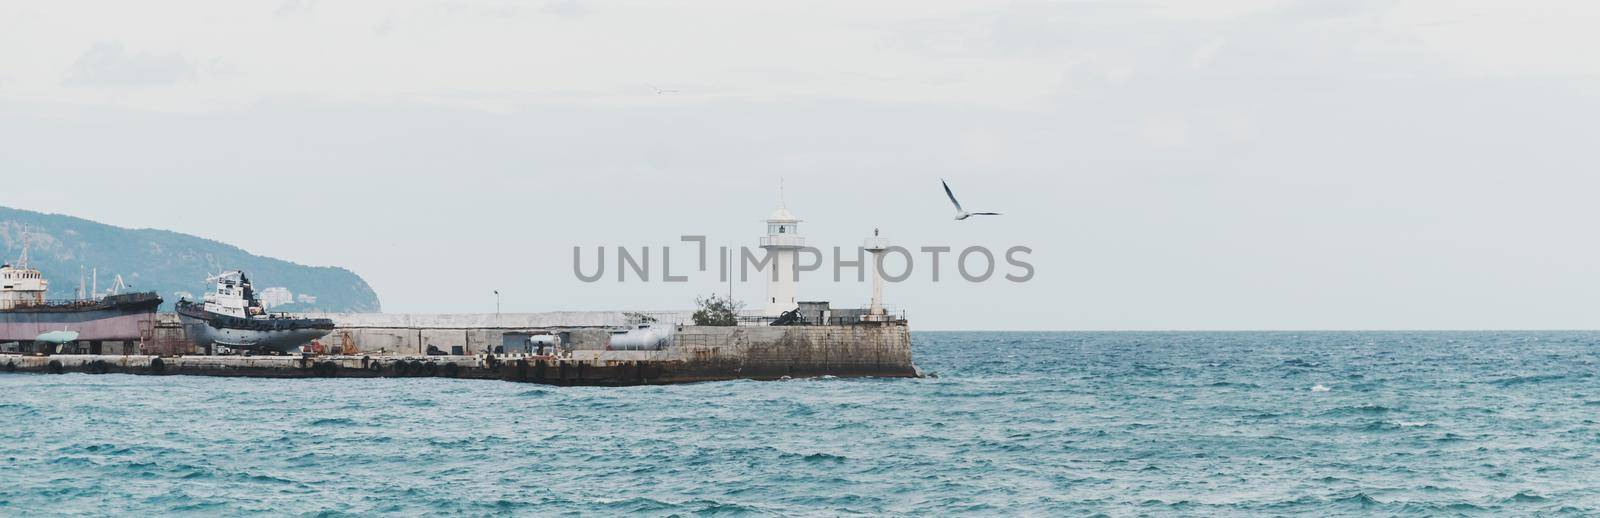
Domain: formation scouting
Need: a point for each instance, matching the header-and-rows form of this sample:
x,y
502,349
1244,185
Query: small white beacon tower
x,y
876,245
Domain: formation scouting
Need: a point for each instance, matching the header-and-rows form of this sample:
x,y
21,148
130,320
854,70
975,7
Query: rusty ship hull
x,y
128,317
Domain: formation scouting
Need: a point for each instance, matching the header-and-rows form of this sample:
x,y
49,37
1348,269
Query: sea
x,y
1005,424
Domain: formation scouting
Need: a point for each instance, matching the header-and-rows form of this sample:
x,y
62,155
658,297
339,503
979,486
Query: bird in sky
x,y
961,213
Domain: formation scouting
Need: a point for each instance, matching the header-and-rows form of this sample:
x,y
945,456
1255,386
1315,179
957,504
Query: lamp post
x,y
497,303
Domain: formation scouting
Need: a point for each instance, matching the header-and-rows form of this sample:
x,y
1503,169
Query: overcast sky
x,y
1174,165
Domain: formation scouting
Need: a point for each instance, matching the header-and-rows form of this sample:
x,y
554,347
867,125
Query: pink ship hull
x,y
99,325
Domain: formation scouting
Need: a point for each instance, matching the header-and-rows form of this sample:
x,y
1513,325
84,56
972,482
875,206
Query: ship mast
x,y
22,262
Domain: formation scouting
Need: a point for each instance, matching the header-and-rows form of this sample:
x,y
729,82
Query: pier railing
x,y
851,316
863,314
887,316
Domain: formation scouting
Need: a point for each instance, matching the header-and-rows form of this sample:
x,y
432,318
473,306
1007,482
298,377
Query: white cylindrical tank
x,y
644,338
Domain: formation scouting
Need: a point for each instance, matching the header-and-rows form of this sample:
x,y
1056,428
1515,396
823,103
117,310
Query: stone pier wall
x,y
698,354
695,353
797,351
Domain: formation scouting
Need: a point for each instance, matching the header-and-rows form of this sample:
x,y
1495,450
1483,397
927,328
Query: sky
x,y
1230,164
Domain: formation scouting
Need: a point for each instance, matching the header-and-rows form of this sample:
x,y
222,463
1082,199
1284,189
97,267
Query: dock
x,y
694,354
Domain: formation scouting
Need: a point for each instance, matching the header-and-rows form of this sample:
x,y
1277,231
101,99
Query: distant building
x,y
306,299
276,296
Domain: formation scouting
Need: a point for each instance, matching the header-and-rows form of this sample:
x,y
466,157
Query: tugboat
x,y
233,318
26,315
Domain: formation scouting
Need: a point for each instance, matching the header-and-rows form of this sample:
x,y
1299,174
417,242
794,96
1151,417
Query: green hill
x,y
168,263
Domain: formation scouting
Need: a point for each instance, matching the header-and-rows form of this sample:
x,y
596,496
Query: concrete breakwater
x,y
696,353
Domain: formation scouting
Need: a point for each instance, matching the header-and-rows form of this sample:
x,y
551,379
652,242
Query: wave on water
x,y
1055,424
332,421
1539,378
1362,409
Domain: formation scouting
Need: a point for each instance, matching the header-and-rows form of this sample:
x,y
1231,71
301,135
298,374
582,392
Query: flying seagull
x,y
960,212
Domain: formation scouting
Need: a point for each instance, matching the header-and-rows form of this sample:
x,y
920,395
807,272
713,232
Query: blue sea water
x,y
1015,423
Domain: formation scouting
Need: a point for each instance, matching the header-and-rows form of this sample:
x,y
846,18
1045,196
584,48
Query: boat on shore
x,y
26,313
232,318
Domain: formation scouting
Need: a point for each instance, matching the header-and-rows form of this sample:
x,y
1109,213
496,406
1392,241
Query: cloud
x,y
1165,132
566,8
108,63
1202,57
291,8
504,55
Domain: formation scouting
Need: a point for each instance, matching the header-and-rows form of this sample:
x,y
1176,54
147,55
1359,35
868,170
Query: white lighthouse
x,y
783,243
876,245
